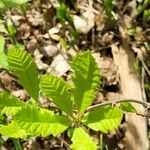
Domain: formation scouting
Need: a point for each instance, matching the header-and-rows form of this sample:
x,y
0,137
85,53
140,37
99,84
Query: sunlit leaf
x,y
86,79
104,119
82,141
25,69
41,122
56,89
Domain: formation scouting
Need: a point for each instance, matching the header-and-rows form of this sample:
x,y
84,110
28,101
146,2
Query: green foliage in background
x,y
142,6
64,15
108,5
5,4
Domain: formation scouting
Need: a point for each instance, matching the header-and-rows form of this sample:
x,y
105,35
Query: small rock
x,y
51,50
41,65
38,56
80,24
46,36
7,81
25,31
59,66
55,37
32,44
97,59
53,33
84,23
20,94
72,52
35,18
16,19
53,30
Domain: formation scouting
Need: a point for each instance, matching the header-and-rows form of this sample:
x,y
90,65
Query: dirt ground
x,y
119,41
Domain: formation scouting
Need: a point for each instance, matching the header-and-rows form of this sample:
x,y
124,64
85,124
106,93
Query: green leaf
x,y
138,67
109,7
103,119
63,14
128,107
86,80
9,104
3,58
25,69
2,5
11,30
41,122
56,89
5,4
146,15
12,130
82,141
14,2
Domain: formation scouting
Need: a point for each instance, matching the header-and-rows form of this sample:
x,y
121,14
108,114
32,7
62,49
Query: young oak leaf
x,y
86,79
55,88
41,122
9,104
104,119
82,141
25,69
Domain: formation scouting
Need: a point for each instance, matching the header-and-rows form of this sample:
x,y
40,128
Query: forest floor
x,y
53,42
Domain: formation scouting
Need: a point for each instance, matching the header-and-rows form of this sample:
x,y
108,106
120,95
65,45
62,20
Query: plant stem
x,y
17,145
1,141
101,141
145,104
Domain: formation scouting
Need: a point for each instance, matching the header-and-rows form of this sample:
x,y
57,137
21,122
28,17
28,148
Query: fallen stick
x,y
136,135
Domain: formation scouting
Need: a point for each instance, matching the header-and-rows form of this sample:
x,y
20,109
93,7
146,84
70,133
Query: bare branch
x,y
145,104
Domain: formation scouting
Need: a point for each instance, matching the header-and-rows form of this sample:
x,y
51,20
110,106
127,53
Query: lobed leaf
x,y
41,122
82,141
56,89
86,79
9,104
25,69
103,119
